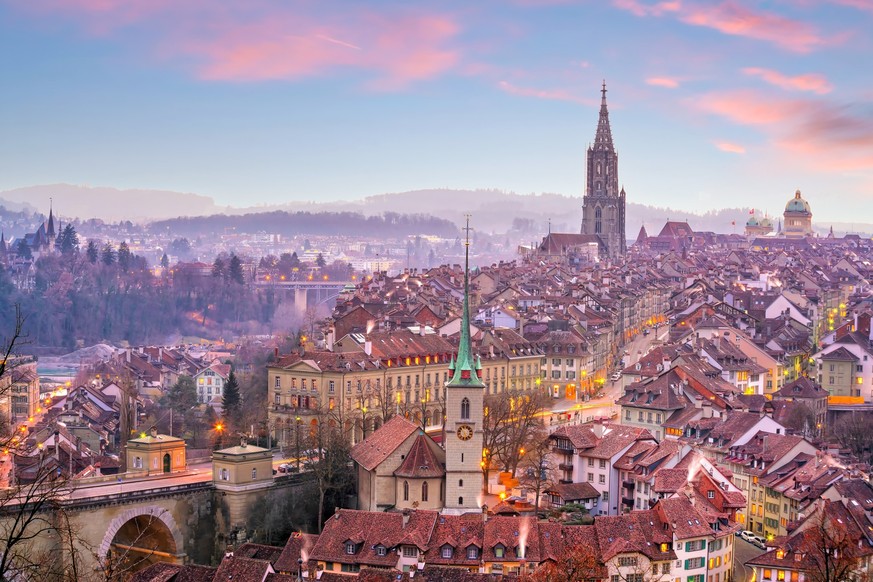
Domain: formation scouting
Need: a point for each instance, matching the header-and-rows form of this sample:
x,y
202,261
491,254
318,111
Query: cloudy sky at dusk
x,y
713,104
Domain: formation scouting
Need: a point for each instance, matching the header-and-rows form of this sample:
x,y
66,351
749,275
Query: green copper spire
x,y
465,370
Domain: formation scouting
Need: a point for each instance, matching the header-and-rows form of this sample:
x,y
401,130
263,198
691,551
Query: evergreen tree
x,y
319,260
236,270
183,394
124,256
165,261
231,400
68,240
92,252
295,260
23,250
218,269
108,255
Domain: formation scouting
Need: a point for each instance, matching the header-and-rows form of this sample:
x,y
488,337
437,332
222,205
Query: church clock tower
x,y
603,204
464,415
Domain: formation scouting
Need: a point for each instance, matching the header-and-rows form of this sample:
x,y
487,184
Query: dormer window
x,y
446,552
472,553
381,550
498,551
351,547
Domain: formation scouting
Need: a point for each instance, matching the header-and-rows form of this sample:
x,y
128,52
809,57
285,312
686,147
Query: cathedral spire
x,y
51,223
465,369
603,137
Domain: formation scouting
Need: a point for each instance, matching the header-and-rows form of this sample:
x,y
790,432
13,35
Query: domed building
x,y
798,218
755,227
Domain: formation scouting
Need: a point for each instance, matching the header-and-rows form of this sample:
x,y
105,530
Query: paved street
x,y
744,551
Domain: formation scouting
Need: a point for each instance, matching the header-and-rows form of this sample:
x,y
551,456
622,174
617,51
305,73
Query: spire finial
x,y
603,92
550,226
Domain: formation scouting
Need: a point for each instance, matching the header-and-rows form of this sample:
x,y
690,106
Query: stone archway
x,y
166,523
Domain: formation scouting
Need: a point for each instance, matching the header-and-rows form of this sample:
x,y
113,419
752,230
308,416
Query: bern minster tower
x,y
603,205
464,416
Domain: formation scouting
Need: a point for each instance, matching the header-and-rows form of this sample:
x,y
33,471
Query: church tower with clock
x,y
464,416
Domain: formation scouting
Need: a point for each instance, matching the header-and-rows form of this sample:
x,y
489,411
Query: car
x,y
760,542
615,377
284,468
748,536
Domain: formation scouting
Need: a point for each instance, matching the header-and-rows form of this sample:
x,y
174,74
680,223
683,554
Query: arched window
x,y
597,216
460,501
424,491
465,409
406,491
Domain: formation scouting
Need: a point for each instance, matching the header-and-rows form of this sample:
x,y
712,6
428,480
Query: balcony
x,y
561,451
565,466
629,485
565,481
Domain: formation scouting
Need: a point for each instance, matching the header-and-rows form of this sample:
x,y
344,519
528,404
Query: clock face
x,y
465,432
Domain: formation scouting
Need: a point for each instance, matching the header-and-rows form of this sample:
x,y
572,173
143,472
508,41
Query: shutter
x,y
688,564
702,544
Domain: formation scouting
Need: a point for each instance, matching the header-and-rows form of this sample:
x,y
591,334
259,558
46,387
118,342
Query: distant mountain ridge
x,y
493,210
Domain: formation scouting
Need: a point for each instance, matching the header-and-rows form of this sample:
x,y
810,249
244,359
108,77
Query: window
x,y
380,550
465,408
710,494
605,496
446,552
424,491
137,462
350,548
627,562
640,417
278,382
694,563
410,551
460,482
696,578
602,463
695,545
591,477
601,479
590,462
665,568
254,474
224,475
406,491
331,386
498,551
472,553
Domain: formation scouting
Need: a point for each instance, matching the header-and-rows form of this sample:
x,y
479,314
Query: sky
x,y
712,104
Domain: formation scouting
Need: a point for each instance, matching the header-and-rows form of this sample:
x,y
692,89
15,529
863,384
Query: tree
x,y
230,400
330,463
320,261
23,250
165,261
235,270
92,252
578,563
853,432
68,240
182,396
124,256
510,423
219,270
800,419
536,465
829,544
108,255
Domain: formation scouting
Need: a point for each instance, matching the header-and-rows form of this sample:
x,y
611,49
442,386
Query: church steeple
x,y
50,227
465,370
603,137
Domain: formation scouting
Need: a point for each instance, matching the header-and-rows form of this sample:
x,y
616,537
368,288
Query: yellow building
x,y
154,453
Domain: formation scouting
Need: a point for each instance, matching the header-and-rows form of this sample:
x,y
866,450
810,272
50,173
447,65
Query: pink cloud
x,y
255,40
551,94
730,148
733,18
859,4
811,82
644,9
666,82
828,136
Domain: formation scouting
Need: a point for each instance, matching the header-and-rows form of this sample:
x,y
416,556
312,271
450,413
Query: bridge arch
x,y
149,512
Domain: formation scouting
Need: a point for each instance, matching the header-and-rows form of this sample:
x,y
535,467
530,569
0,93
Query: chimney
x,y
707,409
127,355
368,347
153,431
276,352
406,514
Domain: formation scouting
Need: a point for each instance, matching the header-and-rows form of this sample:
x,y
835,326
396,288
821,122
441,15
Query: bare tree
x,y
853,432
828,548
537,466
330,460
511,420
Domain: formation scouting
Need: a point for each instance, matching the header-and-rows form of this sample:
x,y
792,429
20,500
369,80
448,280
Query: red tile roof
x,y
377,447
421,462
